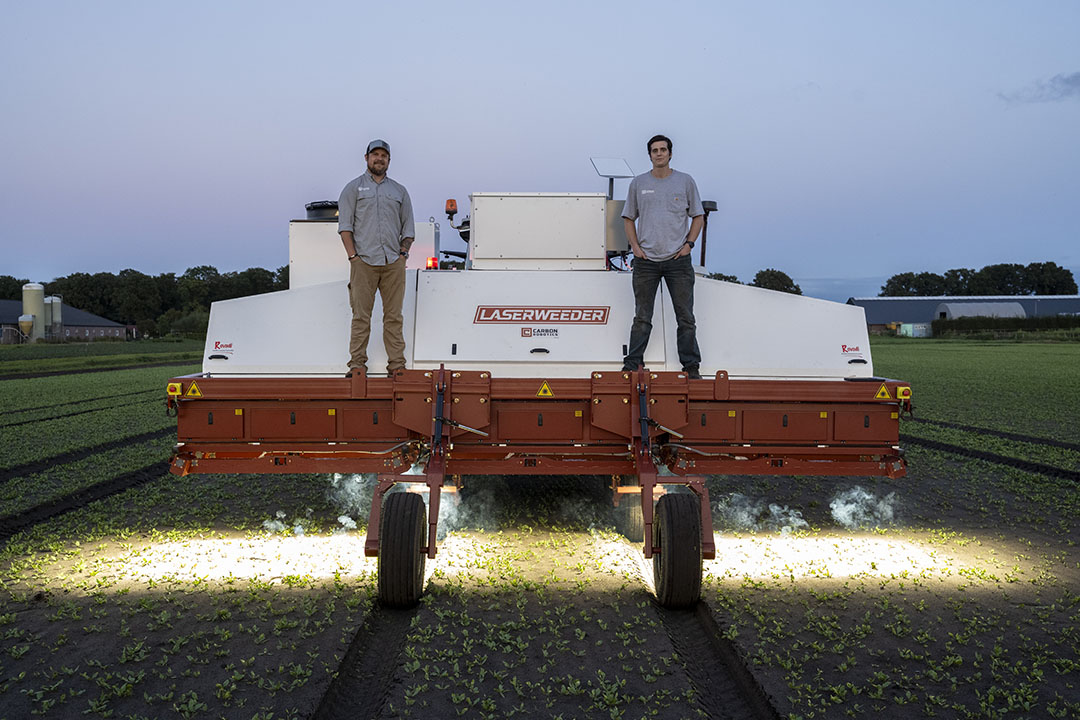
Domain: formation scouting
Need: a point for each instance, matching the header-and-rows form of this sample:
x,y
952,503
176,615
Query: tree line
x,y
1044,278
165,303
158,305
769,278
155,304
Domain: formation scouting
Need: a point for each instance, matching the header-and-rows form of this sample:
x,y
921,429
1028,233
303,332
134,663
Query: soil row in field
x,y
998,433
13,524
363,681
113,396
73,413
723,685
1025,465
726,687
63,458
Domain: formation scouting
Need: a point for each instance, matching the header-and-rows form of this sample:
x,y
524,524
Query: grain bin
x,y
34,304
54,316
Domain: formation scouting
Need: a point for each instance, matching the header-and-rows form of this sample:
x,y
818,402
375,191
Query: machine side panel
x,y
563,324
758,333
304,331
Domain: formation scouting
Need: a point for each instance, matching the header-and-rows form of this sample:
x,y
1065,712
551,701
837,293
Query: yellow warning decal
x,y
545,390
883,393
193,391
174,389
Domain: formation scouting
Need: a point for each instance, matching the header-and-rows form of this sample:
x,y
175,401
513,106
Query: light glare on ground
x,y
764,556
269,558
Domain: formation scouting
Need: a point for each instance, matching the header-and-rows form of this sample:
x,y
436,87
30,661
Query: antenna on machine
x,y
611,168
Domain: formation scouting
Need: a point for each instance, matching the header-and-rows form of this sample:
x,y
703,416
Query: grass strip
x,y
47,368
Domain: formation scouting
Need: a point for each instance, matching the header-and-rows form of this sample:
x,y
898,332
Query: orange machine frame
x,y
467,422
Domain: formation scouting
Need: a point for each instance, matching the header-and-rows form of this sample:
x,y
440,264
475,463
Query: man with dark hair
x,y
660,201
375,220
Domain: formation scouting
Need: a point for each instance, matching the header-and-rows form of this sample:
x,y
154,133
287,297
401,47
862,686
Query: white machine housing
x,y
537,301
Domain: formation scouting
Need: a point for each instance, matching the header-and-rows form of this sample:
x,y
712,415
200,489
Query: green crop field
x,y
47,357
951,592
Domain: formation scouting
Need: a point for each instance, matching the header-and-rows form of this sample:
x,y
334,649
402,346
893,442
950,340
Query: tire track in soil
x,y
999,433
363,682
13,524
51,373
725,687
64,458
53,406
73,414
1025,465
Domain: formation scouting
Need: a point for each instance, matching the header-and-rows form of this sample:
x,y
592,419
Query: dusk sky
x,y
843,141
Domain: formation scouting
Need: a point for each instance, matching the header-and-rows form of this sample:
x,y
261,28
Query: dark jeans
x,y
678,273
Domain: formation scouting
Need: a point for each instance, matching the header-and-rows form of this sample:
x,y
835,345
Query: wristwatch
x,y
354,255
689,243
404,254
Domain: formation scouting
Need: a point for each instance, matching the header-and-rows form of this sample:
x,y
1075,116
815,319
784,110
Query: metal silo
x,y
34,304
54,317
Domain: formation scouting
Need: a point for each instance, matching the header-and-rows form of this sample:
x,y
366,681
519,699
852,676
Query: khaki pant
x,y
389,281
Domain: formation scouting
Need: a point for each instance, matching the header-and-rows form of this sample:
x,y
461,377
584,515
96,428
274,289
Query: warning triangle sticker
x,y
545,390
883,393
193,391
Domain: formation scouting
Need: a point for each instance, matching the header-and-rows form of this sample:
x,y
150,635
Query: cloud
x,y
1057,88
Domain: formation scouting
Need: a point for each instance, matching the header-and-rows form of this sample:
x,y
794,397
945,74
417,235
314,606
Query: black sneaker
x,y
692,373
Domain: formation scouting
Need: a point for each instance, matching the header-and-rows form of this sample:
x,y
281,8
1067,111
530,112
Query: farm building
x,y
951,310
884,314
77,324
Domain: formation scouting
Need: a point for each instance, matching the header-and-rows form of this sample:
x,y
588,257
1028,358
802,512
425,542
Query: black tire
x,y
676,534
631,521
402,536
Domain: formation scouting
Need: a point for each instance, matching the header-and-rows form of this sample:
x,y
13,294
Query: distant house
x,y
78,324
886,314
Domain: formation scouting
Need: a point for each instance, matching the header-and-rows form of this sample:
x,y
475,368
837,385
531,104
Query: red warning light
x,y
432,263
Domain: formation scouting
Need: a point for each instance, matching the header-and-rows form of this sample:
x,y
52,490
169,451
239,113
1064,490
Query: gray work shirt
x,y
379,215
662,206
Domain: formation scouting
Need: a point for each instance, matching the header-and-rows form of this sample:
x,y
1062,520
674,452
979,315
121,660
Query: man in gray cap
x,y
375,220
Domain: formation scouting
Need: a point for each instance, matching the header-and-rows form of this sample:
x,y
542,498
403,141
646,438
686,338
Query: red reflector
x,y
432,263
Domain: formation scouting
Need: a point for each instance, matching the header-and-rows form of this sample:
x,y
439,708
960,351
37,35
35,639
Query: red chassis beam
x,y
466,422
537,425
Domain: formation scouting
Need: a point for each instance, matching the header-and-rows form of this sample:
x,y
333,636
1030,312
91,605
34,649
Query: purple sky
x,y
844,141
